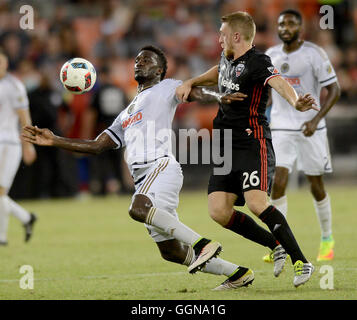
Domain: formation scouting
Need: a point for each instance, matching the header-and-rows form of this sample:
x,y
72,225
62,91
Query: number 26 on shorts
x,y
250,180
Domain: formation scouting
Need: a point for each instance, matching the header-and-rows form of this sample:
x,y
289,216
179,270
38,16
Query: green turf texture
x,y
92,249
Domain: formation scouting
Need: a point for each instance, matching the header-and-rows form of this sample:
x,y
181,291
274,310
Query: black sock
x,y
279,227
245,226
197,247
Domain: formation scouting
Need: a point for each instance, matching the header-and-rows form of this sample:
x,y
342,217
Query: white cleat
x,y
235,282
303,272
209,251
279,256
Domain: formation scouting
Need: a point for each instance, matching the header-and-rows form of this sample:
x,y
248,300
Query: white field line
x,y
129,275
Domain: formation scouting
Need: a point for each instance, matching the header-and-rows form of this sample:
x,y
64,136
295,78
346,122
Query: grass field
x,y
91,249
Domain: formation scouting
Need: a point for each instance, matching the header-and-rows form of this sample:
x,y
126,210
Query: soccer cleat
x,y
279,257
210,250
326,249
3,243
242,277
29,227
303,272
268,257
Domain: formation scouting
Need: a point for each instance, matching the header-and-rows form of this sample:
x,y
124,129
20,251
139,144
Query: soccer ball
x,y
78,75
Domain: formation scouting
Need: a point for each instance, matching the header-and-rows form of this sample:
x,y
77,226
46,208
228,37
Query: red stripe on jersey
x,y
250,107
264,165
254,112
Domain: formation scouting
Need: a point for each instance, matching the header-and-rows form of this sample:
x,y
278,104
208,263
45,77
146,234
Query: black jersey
x,y
248,74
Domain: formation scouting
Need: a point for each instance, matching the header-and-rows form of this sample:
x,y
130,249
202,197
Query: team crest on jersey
x,y
284,68
239,69
273,70
131,108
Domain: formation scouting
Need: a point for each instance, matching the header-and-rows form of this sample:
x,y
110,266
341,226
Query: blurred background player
x,y
14,110
302,137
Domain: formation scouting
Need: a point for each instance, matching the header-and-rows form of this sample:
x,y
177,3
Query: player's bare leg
x,y
237,276
324,213
220,205
142,210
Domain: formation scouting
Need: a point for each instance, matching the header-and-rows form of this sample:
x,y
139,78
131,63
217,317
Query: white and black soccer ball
x,y
78,75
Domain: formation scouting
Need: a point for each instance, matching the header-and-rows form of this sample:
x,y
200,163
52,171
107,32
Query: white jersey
x,y
307,69
12,96
145,126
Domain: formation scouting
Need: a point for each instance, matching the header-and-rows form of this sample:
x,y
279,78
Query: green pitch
x,y
92,250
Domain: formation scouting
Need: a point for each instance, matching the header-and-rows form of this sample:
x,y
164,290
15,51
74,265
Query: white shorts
x,y
312,154
161,181
10,158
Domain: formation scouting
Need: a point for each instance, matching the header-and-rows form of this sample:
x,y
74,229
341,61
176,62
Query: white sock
x,y
324,214
18,211
4,218
169,224
281,204
216,266
219,266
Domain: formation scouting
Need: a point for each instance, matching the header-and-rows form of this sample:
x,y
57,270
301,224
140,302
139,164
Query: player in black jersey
x,y
243,76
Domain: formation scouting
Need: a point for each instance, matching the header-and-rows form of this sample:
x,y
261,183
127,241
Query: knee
x,y
279,184
140,208
137,213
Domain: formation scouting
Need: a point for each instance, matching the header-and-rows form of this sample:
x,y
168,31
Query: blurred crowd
x,y
109,33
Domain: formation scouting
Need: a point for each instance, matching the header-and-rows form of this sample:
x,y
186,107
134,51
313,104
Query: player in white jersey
x,y
144,127
302,136
13,109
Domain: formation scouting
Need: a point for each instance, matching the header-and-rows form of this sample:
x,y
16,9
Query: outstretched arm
x,y
209,78
45,137
303,103
205,95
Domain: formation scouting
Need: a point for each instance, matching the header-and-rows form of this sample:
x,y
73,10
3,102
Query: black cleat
x,y
3,243
29,227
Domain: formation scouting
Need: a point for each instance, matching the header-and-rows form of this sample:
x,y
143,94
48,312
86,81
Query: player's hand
x,y
306,102
35,135
229,98
309,127
29,154
183,91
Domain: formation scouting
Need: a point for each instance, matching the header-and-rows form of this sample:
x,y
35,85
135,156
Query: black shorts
x,y
253,166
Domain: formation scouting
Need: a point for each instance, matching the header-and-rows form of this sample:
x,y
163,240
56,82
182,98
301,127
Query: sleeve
x,y
19,97
264,70
116,133
168,90
322,67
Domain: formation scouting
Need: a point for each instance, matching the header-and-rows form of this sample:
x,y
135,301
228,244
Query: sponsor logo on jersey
x,y
133,119
293,81
239,69
229,84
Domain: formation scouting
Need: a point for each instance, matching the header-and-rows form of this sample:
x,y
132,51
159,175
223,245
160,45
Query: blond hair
x,y
241,22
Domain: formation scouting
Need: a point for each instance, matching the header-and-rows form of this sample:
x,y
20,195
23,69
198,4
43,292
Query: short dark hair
x,y
296,13
162,58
